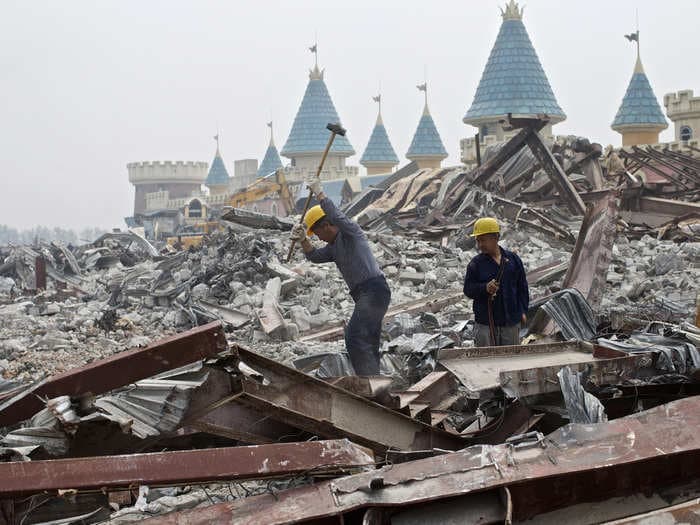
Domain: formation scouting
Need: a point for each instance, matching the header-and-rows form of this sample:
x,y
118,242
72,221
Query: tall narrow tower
x,y
271,162
217,179
379,156
513,81
426,148
309,136
639,119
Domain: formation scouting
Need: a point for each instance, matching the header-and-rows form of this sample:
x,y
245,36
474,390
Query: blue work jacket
x,y
513,297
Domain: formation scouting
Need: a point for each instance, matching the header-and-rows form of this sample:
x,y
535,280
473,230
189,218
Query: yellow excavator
x,y
273,185
270,186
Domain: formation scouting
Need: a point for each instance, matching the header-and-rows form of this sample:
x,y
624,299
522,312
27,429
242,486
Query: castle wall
x,y
684,111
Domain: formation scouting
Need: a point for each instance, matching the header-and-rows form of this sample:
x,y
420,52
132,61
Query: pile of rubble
x,y
236,401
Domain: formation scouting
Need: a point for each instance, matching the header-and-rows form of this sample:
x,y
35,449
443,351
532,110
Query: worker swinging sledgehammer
x,y
495,280
347,246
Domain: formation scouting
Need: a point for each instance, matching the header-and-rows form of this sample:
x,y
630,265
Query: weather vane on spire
x,y
378,100
269,125
424,88
314,50
634,37
216,138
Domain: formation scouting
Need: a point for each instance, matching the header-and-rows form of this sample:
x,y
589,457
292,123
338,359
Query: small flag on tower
x,y
633,37
378,98
313,48
269,124
423,86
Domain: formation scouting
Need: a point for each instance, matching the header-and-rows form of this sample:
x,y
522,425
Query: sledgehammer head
x,y
336,128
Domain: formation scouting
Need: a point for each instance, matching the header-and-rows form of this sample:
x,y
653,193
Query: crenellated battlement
x,y
167,171
680,103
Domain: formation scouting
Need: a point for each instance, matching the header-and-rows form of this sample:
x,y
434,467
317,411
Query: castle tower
x,y
309,136
684,111
379,156
271,162
172,179
513,81
426,148
217,179
639,119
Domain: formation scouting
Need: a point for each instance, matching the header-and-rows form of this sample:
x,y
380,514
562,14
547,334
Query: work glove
x,y
298,233
315,185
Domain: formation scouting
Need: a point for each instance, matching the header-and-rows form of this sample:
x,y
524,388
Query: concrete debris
x,y
126,362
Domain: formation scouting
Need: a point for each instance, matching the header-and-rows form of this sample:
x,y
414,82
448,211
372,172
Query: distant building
x,y
513,82
168,179
684,111
245,172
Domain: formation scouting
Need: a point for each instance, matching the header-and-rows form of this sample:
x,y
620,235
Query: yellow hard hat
x,y
312,216
485,225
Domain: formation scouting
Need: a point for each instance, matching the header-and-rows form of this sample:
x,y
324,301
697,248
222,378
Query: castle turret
x,y
513,80
218,178
271,161
639,119
426,148
379,156
309,136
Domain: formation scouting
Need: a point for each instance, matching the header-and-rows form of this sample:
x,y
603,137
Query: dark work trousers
x,y
505,335
363,332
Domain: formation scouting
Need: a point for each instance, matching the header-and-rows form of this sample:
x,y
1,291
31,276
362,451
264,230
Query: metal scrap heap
x,y
140,383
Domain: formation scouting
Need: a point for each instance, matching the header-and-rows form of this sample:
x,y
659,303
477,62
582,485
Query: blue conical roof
x,y
426,141
513,80
379,148
309,133
639,105
217,173
271,162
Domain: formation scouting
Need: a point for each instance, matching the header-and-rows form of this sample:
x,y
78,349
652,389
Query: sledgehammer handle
x,y
308,199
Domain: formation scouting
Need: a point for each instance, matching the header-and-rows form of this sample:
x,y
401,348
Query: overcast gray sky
x,y
88,86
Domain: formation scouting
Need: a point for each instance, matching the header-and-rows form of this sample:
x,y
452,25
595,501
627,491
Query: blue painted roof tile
x,y
379,148
513,80
426,141
217,173
309,133
639,105
271,162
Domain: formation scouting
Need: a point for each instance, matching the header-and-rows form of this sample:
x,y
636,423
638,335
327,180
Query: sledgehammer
x,y
335,129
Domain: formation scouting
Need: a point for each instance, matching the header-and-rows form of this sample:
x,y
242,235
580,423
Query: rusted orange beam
x,y
118,370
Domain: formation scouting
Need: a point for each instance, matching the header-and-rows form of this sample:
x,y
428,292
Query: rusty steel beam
x,y
311,404
186,466
245,424
40,273
556,174
593,250
687,513
577,463
118,370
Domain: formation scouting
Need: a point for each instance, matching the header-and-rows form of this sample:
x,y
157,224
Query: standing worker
x,y
495,280
347,246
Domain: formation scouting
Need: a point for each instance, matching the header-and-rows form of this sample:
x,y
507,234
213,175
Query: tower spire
x,y
272,136
378,100
424,88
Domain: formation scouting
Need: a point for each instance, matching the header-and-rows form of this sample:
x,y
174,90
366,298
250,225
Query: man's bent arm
x,y
337,217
